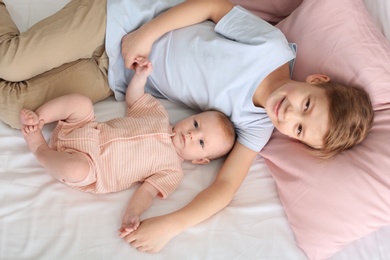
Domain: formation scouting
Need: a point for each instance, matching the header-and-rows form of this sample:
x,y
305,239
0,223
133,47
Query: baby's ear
x,y
201,161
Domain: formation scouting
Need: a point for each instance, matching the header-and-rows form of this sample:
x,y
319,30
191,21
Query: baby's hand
x,y
130,223
143,67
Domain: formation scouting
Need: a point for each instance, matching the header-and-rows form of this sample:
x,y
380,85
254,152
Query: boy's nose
x,y
292,115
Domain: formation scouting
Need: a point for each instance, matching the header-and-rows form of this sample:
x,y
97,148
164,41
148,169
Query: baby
x,y
103,157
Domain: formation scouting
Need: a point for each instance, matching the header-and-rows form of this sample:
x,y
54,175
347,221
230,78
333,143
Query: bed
x,y
41,218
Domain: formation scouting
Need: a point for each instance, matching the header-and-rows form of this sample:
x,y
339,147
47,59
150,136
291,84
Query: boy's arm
x,y
139,43
139,203
154,233
136,87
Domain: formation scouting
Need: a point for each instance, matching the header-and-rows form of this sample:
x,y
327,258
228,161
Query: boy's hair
x,y
230,134
350,117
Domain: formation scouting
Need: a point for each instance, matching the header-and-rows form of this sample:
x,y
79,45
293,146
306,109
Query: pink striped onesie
x,y
124,151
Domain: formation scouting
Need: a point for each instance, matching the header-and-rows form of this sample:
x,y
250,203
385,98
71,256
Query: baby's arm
x,y
139,203
136,87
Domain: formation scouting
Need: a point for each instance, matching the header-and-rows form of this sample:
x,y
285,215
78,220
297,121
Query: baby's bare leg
x,y
69,167
33,136
70,108
31,129
30,121
28,117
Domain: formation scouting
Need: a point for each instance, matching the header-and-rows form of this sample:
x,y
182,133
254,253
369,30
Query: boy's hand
x,y
135,45
130,223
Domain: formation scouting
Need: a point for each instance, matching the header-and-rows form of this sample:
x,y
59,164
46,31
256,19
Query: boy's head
x,y
203,137
324,115
350,117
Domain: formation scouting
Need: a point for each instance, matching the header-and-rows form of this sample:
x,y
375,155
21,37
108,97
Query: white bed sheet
x,y
41,218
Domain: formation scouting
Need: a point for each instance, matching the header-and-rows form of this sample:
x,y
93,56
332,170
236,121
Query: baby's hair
x,y
350,117
229,132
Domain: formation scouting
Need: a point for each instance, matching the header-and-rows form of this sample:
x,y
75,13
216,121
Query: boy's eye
x,y
201,142
307,105
299,130
196,124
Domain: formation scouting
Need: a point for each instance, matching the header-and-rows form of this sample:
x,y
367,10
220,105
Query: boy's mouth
x,y
277,107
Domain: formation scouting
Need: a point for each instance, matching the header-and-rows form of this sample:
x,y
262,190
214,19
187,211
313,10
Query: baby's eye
x,y
196,125
299,130
307,105
201,142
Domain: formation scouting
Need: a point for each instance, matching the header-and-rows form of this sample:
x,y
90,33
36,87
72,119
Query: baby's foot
x,y
28,117
34,139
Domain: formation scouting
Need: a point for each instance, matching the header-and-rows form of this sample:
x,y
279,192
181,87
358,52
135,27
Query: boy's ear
x,y
201,161
317,78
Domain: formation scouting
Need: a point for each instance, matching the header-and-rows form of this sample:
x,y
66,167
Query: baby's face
x,y
301,111
199,136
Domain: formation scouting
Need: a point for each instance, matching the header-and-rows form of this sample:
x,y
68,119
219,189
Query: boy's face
x,y
300,110
198,137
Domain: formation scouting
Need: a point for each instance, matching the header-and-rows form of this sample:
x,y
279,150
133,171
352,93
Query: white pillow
x,y
380,11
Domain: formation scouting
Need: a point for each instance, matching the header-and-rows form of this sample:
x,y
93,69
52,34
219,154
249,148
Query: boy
x,y
112,156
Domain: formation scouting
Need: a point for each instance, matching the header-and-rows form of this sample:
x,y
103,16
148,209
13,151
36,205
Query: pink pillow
x,y
330,203
272,11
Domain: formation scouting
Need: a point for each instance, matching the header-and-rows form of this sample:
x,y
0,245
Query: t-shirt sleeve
x,y
166,181
146,105
243,26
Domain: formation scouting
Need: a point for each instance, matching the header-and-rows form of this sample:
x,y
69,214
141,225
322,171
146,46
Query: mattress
x,y
40,218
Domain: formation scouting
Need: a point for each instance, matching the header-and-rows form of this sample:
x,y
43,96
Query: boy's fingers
x,y
129,229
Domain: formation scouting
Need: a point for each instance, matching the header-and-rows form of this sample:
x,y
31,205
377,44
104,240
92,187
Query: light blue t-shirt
x,y
205,66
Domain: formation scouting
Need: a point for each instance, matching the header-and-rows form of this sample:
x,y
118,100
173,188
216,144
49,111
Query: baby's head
x,y
324,115
203,137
